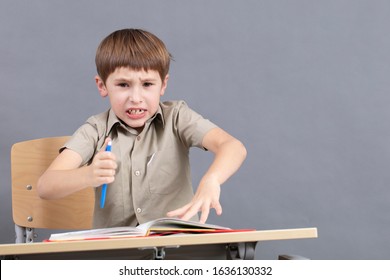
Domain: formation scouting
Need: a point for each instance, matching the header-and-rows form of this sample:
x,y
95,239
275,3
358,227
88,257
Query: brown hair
x,y
133,48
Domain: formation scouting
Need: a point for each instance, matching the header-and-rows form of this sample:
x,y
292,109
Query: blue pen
x,y
104,188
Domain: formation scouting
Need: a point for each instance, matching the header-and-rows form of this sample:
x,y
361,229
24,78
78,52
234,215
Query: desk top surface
x,y
161,241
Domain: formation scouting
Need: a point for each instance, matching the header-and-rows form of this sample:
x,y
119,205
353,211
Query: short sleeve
x,y
191,126
84,142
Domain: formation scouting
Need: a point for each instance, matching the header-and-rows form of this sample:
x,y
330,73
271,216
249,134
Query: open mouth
x,y
136,111
136,114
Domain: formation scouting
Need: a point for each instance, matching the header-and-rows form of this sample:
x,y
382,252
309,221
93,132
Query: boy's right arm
x,y
65,176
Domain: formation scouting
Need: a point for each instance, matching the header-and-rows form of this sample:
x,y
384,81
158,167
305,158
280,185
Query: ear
x,y
101,86
164,85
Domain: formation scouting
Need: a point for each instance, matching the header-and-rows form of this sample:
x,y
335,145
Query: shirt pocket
x,y
165,172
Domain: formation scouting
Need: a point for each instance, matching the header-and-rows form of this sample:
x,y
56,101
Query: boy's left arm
x,y
229,155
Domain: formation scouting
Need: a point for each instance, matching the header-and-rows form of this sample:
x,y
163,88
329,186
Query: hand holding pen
x,y
104,187
104,165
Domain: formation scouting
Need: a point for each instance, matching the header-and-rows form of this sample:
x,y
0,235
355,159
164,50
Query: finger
x,y
108,159
191,212
105,180
108,139
205,214
104,162
178,212
218,208
107,172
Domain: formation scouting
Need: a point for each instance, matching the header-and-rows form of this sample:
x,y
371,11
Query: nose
x,y
135,95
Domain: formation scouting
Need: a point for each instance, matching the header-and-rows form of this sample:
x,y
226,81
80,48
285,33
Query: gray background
x,y
304,84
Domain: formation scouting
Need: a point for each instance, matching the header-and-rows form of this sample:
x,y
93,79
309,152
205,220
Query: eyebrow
x,y
131,80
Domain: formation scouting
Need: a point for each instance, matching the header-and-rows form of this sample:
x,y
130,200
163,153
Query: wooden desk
x,y
240,245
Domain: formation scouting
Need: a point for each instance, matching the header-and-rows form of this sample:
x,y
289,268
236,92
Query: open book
x,y
156,227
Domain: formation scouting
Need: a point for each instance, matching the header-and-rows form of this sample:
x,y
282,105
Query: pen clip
x,y
151,158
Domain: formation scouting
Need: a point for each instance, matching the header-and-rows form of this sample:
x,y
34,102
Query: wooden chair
x,y
29,159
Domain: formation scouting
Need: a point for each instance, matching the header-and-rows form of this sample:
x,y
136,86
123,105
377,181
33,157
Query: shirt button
x,y
138,138
139,210
137,173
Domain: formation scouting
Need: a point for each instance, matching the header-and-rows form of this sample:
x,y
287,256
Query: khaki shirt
x,y
153,174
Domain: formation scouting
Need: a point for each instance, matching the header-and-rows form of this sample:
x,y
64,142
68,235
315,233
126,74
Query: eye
x,y
123,85
147,84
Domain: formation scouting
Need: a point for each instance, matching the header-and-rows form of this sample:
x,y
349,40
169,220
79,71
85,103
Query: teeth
x,y
136,112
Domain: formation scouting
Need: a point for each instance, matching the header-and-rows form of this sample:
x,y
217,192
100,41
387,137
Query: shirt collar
x,y
112,121
158,117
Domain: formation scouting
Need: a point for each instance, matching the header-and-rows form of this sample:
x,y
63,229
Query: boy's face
x,y
134,95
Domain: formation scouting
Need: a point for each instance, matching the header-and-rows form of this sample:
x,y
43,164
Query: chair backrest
x,y
29,159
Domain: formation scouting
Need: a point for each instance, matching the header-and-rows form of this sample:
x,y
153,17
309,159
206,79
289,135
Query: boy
x,y
147,172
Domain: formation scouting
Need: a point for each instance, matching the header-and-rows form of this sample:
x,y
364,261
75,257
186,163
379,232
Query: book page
x,y
114,232
174,224
168,225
